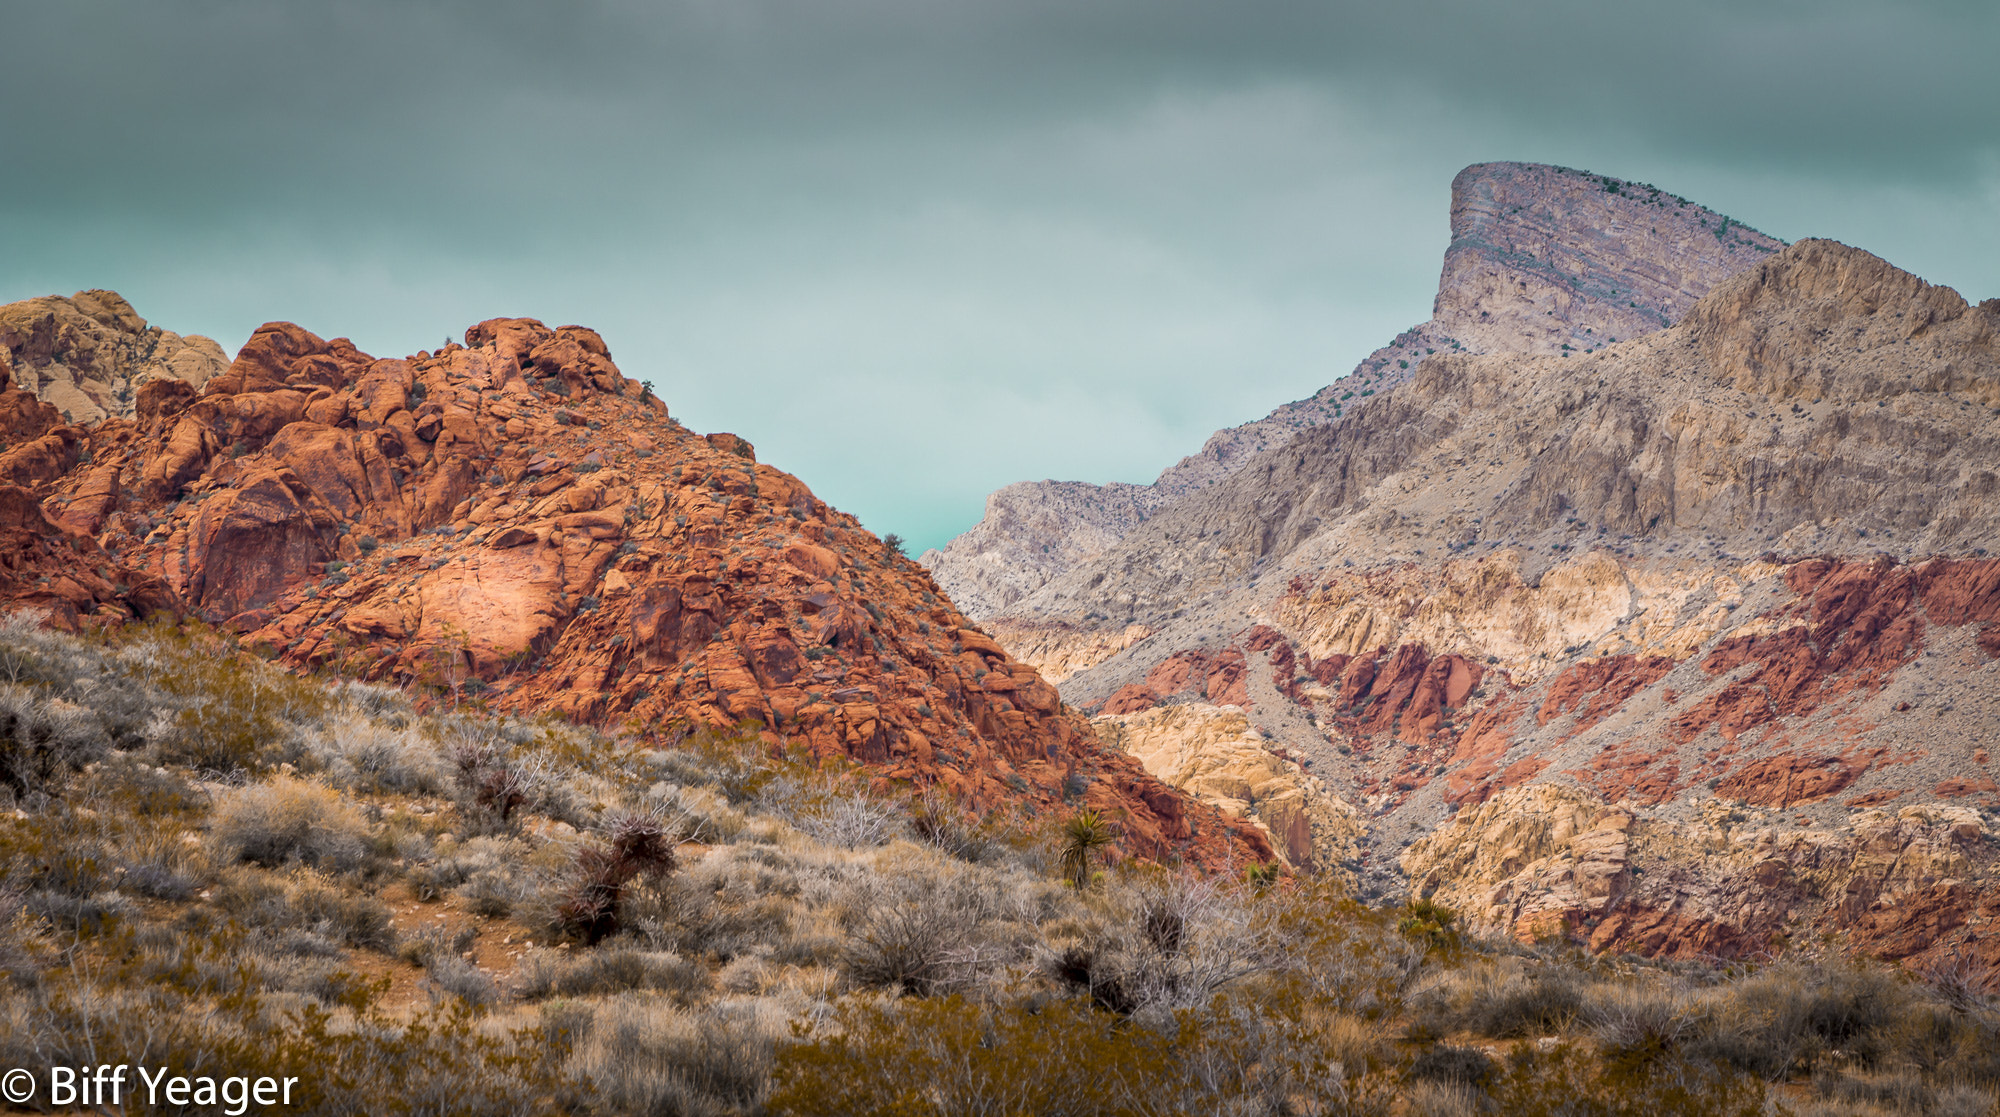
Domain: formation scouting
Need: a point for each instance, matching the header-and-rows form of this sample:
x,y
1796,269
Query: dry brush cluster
x,y
211,865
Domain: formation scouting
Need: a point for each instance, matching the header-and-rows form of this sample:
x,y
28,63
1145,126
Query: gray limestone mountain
x,y
88,354
1688,644
1542,260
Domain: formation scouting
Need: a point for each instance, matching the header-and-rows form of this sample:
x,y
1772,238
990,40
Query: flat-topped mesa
x,y
513,517
1543,260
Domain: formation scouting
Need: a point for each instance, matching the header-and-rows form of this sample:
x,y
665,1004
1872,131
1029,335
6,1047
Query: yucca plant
x,y
1084,834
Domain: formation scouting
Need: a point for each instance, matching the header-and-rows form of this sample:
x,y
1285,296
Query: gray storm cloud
x,y
918,250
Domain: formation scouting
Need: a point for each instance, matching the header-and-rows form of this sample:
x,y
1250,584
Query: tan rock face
x,y
88,355
1543,260
1213,754
514,519
1549,862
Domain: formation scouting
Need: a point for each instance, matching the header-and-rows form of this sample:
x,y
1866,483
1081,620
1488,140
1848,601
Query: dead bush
x,y
609,970
289,820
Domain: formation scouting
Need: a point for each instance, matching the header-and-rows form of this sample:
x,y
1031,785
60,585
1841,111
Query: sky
x,y
915,250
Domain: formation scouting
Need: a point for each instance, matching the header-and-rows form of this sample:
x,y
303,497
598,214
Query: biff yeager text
x,y
117,1085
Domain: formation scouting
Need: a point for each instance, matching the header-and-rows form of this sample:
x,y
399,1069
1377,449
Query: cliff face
x,y
1701,626
514,518
88,354
1542,260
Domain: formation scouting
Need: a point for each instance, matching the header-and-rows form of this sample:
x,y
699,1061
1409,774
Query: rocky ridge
x,y
1543,260
88,355
1717,595
514,519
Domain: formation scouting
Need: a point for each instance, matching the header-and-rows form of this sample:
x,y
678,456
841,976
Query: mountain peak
x,y
1542,260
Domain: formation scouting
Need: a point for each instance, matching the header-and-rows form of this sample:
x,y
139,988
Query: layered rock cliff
x,y
514,518
87,355
1710,611
1544,260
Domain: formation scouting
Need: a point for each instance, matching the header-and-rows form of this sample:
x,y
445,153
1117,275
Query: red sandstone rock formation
x,y
514,517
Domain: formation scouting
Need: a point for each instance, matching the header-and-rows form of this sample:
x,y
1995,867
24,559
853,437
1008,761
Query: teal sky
x,y
918,249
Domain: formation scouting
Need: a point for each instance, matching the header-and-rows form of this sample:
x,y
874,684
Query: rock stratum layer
x,y
1686,645
1543,260
513,516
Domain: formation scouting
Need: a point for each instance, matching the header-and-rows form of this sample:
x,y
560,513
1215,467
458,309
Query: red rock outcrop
x,y
515,519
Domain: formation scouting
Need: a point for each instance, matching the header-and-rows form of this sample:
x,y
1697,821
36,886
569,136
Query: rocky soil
x,y
1544,260
512,519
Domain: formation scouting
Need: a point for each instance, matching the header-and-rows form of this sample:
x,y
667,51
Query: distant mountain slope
x,y
1686,645
1542,260
513,518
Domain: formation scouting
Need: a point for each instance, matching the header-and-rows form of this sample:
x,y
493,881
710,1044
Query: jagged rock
x,y
513,517
89,355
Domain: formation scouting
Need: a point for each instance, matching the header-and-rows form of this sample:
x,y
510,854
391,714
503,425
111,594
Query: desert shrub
x,y
484,868
705,813
1444,1099
945,826
1506,999
218,710
645,1056
44,737
449,975
1443,1062
1786,1018
289,820
635,845
362,753
929,935
491,894
340,914
940,1056
1638,1022
607,970
432,943
1342,953
736,900
353,1060
1175,943
850,822
1566,1081
738,765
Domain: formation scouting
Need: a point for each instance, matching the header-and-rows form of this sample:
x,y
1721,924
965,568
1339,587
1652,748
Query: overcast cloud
x,y
916,249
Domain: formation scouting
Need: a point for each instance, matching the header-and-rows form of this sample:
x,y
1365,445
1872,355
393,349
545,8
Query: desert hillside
x,y
514,520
